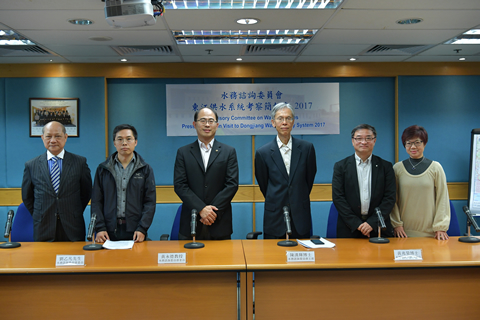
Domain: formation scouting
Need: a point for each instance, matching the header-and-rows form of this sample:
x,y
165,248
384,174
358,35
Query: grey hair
x,y
282,105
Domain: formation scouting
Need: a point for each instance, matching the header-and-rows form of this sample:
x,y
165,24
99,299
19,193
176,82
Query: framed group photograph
x,y
63,110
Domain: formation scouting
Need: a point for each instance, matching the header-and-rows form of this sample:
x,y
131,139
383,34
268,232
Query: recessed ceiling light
x,y
80,22
239,59
123,60
258,37
11,37
472,36
353,59
252,4
462,59
248,21
100,38
410,21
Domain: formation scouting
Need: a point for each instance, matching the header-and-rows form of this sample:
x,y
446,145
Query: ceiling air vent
x,y
394,50
23,51
145,50
272,50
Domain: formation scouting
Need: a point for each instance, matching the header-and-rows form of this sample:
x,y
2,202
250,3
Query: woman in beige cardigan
x,y
422,208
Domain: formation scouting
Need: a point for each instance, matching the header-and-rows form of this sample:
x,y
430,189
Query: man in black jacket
x,y
361,183
124,196
206,179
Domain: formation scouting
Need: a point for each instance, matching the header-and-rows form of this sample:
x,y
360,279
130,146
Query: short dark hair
x,y
121,127
364,126
198,110
415,131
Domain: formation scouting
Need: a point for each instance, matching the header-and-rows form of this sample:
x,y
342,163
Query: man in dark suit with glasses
x,y
361,183
285,169
206,179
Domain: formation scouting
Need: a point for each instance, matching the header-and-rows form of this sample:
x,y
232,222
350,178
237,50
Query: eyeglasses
x,y
367,139
127,140
282,119
417,143
204,121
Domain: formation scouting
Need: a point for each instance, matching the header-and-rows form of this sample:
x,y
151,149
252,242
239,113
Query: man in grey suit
x,y
206,179
285,169
56,188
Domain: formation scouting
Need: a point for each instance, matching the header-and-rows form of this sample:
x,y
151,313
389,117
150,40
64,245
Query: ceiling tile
x,y
334,49
386,19
119,37
412,4
338,36
345,32
226,19
449,49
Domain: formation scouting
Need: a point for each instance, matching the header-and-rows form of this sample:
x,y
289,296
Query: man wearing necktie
x,y
361,183
285,170
206,179
56,189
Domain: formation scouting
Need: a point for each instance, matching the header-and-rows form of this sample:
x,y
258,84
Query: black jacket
x,y
198,188
346,197
282,189
140,198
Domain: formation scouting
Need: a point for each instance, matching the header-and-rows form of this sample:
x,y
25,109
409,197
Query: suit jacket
x,y
198,188
44,204
346,197
281,189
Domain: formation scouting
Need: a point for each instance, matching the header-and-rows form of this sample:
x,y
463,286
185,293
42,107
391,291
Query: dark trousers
x,y
60,234
121,233
294,235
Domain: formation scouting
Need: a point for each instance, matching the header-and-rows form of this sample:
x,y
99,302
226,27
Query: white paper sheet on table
x,y
311,245
118,244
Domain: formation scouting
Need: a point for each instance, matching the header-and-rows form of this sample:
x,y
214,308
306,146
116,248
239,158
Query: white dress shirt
x,y
364,174
205,150
286,152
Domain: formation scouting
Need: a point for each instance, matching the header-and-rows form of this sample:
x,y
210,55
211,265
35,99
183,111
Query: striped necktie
x,y
55,174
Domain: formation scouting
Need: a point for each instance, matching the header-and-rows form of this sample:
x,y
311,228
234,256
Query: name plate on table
x,y
300,256
180,257
408,255
64,260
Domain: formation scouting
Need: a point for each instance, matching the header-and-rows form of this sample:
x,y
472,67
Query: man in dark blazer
x,y
206,179
285,170
57,209
361,183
